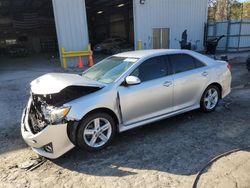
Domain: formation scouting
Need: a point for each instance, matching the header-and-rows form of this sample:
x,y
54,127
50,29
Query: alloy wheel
x,y
97,132
211,98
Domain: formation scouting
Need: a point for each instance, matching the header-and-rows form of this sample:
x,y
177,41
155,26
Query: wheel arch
x,y
73,126
220,95
103,110
218,86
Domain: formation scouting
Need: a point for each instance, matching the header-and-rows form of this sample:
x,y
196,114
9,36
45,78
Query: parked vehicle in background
x,y
18,50
113,45
119,93
248,63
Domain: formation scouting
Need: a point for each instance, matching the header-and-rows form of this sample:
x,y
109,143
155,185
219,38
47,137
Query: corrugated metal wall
x,y
177,15
71,25
237,34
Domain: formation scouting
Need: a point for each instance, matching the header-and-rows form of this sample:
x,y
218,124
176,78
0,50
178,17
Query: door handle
x,y
167,83
204,73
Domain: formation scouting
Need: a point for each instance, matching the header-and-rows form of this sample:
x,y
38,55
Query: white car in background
x,y
119,93
113,45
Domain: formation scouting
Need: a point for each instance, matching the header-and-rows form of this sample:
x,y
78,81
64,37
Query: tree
x,y
219,10
246,10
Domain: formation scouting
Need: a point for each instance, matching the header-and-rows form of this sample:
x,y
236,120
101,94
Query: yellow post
x,y
89,50
89,47
64,59
139,45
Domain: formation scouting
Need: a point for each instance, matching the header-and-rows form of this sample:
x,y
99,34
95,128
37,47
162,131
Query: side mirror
x,y
132,80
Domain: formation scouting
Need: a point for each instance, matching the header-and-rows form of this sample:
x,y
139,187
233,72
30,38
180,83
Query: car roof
x,y
148,53
141,54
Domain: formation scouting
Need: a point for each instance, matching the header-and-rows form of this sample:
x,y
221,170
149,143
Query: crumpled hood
x,y
55,82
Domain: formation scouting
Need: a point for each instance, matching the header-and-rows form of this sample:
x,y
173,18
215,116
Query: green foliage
x,y
220,10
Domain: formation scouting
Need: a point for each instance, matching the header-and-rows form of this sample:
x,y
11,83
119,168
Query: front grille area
x,y
36,118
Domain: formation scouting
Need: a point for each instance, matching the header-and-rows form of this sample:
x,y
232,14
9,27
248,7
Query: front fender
x,y
81,106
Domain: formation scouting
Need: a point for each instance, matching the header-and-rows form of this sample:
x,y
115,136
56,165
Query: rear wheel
x,y
210,98
96,132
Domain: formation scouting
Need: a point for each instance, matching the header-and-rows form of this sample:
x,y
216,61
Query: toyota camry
x,y
119,93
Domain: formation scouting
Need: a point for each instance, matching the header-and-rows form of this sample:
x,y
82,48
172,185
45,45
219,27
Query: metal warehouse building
x,y
149,23
44,27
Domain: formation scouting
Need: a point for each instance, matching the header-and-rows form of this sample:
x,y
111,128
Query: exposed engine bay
x,y
43,105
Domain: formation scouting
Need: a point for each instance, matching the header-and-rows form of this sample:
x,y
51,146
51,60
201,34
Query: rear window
x,y
183,62
198,63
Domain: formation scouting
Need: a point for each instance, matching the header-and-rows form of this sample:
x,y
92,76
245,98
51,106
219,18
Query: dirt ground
x,y
168,153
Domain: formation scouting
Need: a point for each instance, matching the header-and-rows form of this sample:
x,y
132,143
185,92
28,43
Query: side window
x,y
182,62
151,69
198,63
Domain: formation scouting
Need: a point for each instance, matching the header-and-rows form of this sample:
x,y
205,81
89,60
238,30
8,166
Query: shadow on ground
x,y
179,145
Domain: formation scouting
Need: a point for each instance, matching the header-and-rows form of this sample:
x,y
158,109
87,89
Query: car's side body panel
x,y
146,100
140,104
105,98
188,87
123,128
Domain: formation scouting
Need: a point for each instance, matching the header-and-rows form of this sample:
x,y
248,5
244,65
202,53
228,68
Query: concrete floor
x,y
168,153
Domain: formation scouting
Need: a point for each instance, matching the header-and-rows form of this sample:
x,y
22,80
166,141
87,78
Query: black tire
x,y
85,122
203,106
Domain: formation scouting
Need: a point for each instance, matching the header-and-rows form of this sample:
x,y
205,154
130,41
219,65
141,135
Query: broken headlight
x,y
56,115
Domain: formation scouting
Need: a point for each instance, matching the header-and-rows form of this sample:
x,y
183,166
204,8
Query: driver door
x,y
152,97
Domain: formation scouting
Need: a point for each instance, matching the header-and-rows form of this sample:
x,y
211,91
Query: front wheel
x,y
96,132
210,99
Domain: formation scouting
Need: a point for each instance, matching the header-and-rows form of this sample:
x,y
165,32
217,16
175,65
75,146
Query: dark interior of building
x,y
27,26
111,22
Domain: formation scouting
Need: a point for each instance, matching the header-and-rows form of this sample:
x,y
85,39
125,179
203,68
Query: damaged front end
x,y
49,109
44,124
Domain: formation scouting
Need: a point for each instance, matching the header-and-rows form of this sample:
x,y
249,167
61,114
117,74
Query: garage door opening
x,y
110,25
27,27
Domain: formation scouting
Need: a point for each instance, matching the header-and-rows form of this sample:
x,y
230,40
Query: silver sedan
x,y
121,92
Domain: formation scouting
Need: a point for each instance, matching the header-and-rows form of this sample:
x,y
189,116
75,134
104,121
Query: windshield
x,y
108,70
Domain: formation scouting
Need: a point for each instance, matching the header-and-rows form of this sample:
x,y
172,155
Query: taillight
x,y
229,67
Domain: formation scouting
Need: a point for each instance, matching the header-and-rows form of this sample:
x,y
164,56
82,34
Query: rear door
x,y
152,97
190,79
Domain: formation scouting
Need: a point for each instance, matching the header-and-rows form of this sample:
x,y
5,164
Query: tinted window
x,y
198,63
182,62
151,69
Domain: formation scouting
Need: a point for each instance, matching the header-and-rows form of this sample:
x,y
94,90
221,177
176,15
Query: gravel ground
x,y
168,153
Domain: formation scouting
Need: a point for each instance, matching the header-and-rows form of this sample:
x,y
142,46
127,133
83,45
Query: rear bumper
x,y
226,80
53,135
226,92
